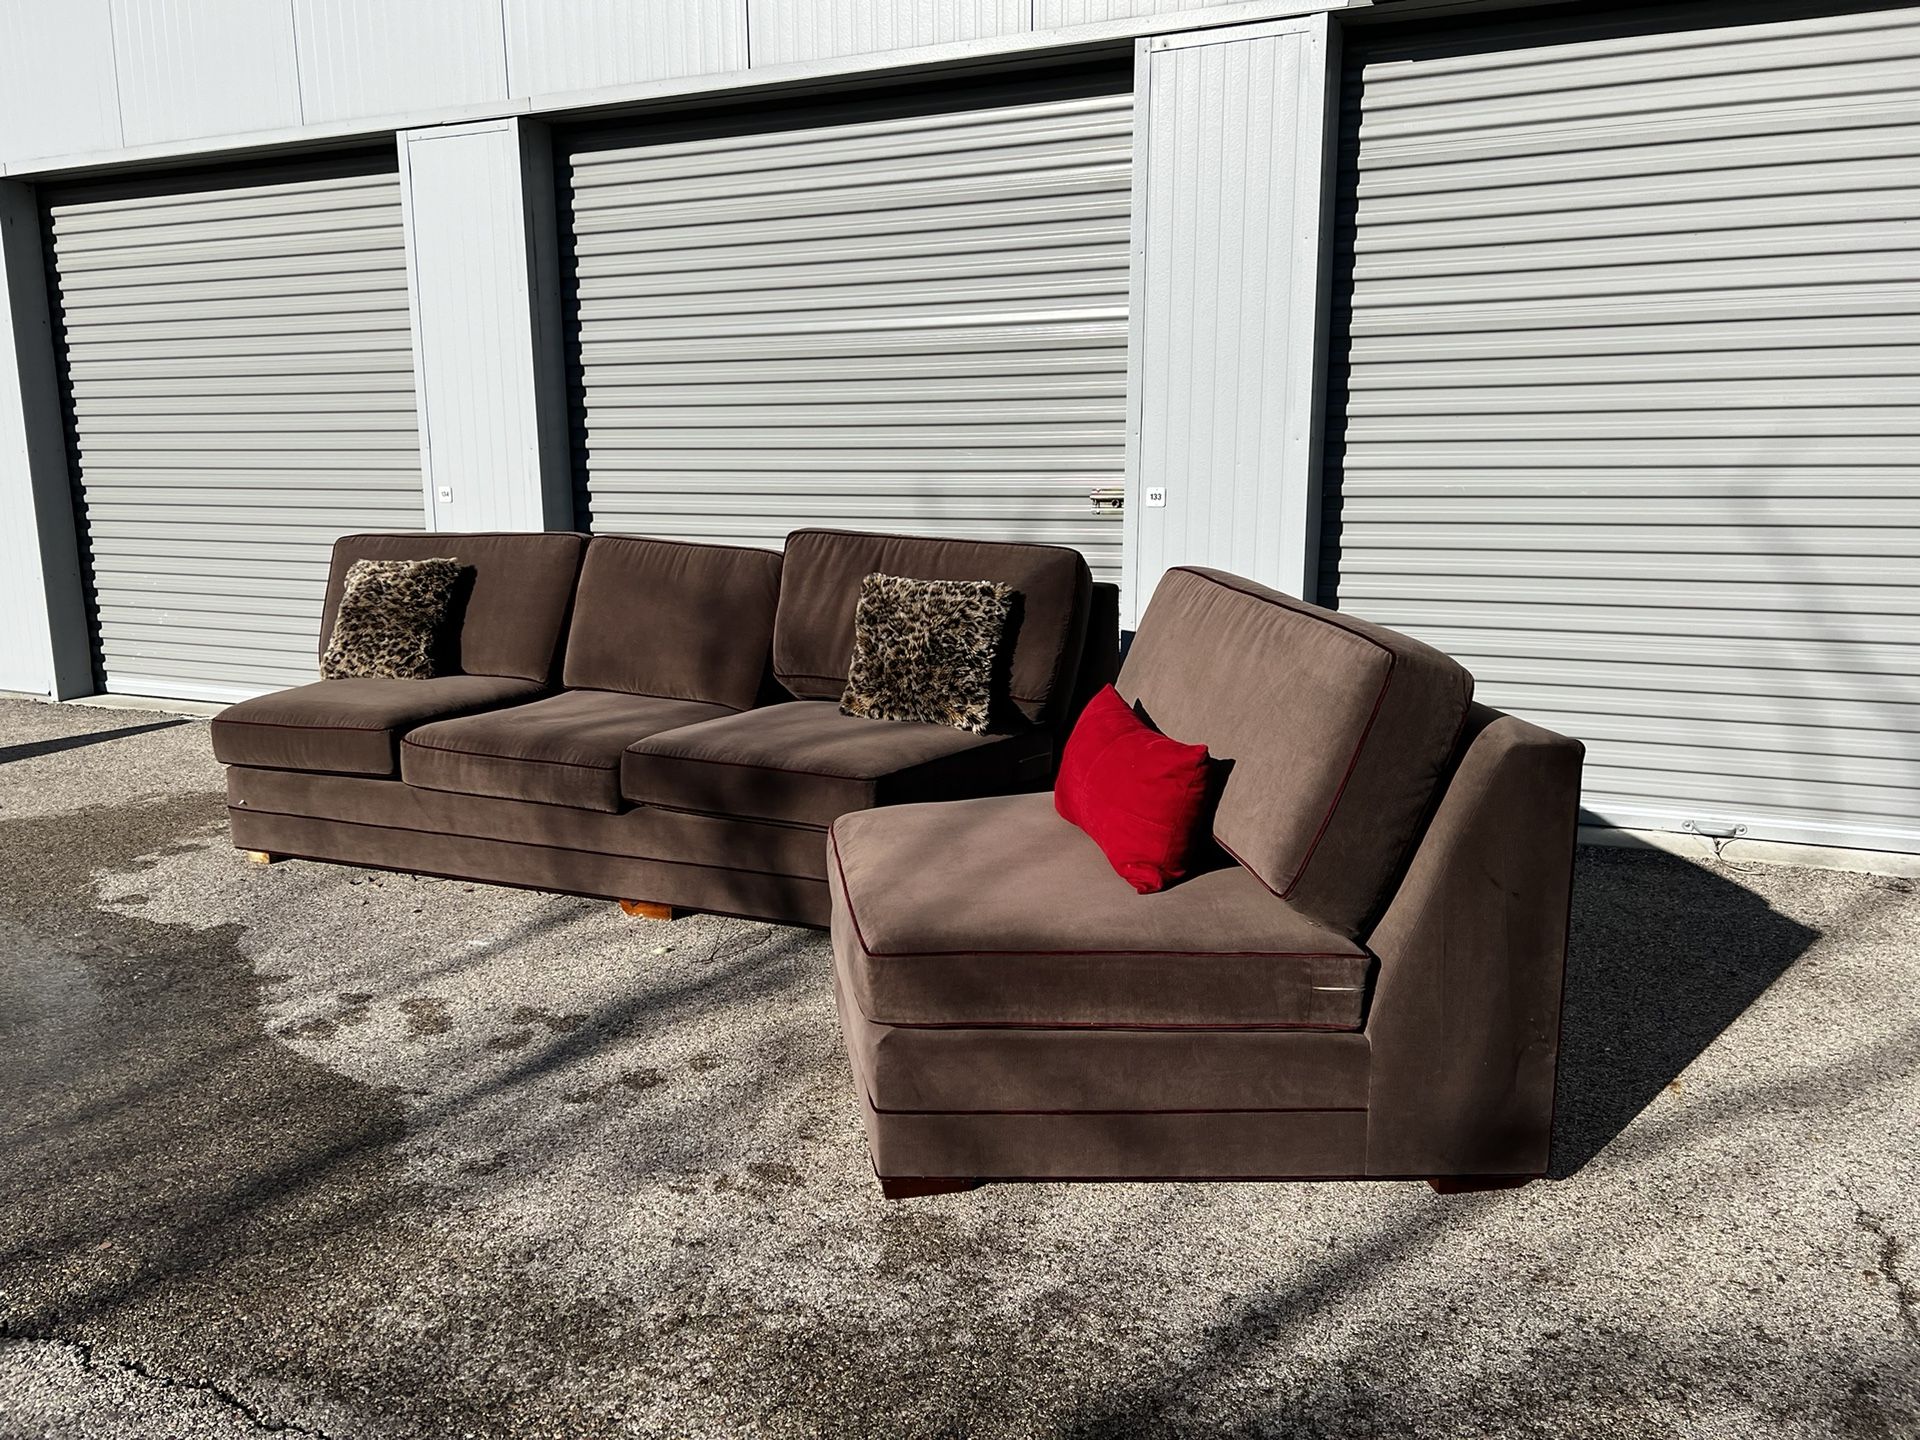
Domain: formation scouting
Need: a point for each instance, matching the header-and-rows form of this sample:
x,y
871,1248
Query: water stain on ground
x,y
190,1203
426,1016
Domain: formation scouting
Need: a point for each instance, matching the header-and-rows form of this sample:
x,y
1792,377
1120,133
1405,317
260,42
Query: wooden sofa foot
x,y
912,1187
1474,1184
263,857
649,910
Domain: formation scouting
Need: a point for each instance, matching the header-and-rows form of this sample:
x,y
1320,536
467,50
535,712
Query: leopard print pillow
x,y
927,650
390,616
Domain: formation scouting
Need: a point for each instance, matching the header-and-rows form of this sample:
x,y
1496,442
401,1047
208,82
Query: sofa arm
x,y
1465,1017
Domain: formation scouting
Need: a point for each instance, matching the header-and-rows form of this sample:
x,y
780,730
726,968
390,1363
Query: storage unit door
x,y
902,314
240,370
1632,399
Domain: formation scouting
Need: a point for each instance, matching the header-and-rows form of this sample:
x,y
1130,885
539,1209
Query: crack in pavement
x,y
94,1363
1906,1296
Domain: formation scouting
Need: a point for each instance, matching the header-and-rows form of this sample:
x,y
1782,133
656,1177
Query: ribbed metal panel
x,y
1631,420
240,374
373,57
202,67
1058,14
67,109
784,31
877,316
583,44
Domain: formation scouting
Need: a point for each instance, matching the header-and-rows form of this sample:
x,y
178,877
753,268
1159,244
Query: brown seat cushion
x,y
564,750
805,762
511,606
684,621
1335,731
820,588
998,912
350,727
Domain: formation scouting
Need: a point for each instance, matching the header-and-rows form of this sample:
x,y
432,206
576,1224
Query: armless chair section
x,y
1365,983
645,720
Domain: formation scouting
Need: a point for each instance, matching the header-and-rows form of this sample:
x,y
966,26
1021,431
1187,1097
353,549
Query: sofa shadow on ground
x,y
1648,987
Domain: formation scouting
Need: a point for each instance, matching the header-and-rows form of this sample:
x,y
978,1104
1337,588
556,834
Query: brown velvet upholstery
x,y
662,638
1099,660
563,750
998,912
684,621
641,834
1154,1145
1452,1075
350,726
511,609
820,586
807,763
1466,1015
1009,1070
1336,731
724,889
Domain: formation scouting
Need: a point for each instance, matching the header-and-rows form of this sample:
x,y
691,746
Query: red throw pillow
x,y
1138,793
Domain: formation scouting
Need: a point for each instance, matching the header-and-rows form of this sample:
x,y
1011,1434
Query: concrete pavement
x,y
317,1151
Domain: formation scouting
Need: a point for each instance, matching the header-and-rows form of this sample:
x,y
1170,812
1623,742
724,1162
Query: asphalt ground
x,y
317,1151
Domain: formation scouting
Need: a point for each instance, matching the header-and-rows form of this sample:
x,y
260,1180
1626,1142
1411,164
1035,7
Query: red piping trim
x,y
987,742
567,687
1223,1110
833,841
289,725
598,536
785,675
1340,794
494,755
1230,1028
1353,761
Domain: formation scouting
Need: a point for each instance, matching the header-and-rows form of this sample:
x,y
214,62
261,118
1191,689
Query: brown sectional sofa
x,y
646,719
1364,981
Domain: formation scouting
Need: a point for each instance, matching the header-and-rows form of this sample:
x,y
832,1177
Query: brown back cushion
x,y
683,621
1337,731
820,586
509,608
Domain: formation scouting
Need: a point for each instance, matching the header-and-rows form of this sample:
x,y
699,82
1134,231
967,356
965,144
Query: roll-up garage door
x,y
883,313
1632,399
240,374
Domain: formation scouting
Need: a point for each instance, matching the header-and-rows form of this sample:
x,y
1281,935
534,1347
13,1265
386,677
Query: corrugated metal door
x,y
240,374
900,314
1632,400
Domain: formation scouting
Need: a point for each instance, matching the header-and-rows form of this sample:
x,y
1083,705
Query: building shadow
x,y
34,748
1664,955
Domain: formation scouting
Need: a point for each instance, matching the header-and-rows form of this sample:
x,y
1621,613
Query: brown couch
x,y
646,719
1365,980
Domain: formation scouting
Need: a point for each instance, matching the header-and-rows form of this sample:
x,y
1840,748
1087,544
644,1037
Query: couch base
x,y
959,1149
758,895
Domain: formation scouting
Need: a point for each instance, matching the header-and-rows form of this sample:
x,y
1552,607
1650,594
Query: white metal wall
x,y
1633,417
785,31
896,315
241,380
94,81
560,45
1227,310
484,276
